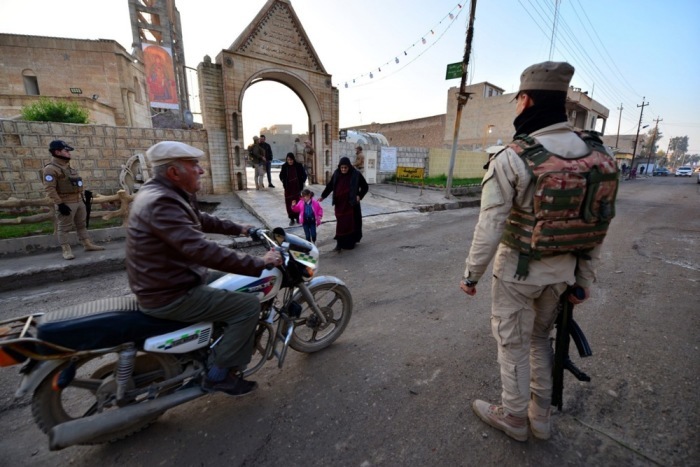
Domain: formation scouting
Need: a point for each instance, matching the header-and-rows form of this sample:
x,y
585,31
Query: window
x,y
31,85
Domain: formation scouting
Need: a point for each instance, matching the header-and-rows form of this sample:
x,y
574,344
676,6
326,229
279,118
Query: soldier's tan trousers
x,y
522,317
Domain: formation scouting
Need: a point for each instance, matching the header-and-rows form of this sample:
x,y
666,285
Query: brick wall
x,y
100,152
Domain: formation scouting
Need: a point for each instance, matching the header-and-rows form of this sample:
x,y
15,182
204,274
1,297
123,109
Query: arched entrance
x,y
273,47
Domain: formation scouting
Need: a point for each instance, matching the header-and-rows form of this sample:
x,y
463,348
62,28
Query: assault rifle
x,y
88,206
567,329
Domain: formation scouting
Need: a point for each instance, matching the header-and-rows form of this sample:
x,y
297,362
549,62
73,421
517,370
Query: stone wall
x,y
100,152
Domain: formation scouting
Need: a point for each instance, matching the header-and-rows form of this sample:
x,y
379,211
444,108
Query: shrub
x,y
47,110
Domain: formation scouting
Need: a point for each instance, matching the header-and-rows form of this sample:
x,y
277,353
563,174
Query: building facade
x,y
98,74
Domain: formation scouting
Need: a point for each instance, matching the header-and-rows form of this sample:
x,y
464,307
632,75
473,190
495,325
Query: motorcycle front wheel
x,y
93,389
310,333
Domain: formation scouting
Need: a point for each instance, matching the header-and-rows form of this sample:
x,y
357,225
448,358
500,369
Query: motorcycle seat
x,y
102,324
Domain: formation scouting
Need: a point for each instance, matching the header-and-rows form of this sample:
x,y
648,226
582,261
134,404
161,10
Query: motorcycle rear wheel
x,y
94,379
310,335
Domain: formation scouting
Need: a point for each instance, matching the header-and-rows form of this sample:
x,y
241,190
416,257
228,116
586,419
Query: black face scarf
x,y
549,108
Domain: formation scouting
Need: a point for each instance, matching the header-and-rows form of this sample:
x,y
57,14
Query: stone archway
x,y
273,47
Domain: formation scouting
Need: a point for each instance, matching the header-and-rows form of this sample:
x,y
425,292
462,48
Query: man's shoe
x,y
291,222
540,422
233,385
497,417
67,252
89,246
270,186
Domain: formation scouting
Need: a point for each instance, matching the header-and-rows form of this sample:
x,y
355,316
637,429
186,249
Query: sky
x,y
625,52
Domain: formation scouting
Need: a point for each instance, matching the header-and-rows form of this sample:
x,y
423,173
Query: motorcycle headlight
x,y
308,272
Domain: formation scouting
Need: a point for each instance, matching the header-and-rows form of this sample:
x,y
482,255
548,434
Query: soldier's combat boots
x,y
497,417
540,423
67,253
89,246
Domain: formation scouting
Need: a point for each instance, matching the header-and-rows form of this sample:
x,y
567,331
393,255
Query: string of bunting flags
x,y
361,80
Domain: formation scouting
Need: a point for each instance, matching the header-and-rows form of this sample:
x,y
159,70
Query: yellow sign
x,y
409,172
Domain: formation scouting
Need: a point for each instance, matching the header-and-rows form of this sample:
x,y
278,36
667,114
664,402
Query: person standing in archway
x,y
257,158
309,154
268,160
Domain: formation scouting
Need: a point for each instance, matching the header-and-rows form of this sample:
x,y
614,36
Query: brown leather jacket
x,y
167,252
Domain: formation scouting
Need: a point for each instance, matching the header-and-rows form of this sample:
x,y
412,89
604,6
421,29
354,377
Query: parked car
x,y
277,163
660,172
685,171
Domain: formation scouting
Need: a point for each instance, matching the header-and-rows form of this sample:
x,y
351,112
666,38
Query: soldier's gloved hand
x,y
64,209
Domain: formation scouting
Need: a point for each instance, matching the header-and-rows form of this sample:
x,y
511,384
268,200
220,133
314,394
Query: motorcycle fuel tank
x,y
264,286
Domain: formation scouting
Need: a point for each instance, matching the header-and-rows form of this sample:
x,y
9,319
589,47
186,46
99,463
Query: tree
x,y
649,144
678,146
48,110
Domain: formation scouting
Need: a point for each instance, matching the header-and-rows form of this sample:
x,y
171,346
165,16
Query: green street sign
x,y
454,70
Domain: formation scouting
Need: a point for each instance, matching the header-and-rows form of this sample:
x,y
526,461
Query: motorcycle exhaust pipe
x,y
83,430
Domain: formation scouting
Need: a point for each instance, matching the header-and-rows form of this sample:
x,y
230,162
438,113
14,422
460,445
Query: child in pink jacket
x,y
310,213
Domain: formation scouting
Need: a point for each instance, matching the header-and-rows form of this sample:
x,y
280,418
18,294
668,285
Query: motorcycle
x,y
102,371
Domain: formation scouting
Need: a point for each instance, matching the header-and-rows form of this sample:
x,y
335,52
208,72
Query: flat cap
x,y
547,76
169,151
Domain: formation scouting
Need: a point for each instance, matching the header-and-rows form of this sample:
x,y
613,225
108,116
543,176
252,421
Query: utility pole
x,y
462,97
554,29
636,139
653,139
617,139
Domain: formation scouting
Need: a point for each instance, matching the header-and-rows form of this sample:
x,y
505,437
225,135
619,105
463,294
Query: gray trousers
x,y
522,317
238,311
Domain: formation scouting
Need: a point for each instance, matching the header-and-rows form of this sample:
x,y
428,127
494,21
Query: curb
x,y
33,276
46,243
446,206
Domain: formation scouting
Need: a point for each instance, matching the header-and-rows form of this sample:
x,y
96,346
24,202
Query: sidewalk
x,y
261,208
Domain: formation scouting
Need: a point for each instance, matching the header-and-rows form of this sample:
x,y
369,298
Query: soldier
x,y
268,160
257,158
542,239
65,188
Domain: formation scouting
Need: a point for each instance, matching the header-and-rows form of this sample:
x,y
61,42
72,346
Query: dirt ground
x,y
396,388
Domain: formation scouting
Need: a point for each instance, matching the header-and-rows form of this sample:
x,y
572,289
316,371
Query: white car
x,y
276,163
685,171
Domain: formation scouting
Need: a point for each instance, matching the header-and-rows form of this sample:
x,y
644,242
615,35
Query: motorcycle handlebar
x,y
262,236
